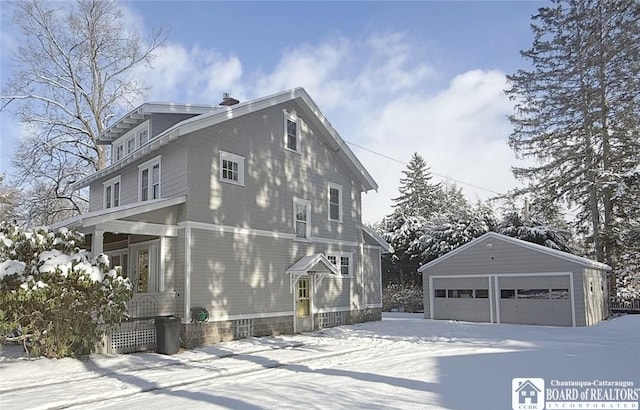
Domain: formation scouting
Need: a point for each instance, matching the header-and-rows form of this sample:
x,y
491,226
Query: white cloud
x,y
372,90
461,132
195,75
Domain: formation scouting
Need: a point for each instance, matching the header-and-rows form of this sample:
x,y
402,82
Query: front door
x,y
304,316
144,273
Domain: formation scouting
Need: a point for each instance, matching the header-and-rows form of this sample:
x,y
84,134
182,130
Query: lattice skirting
x,y
134,336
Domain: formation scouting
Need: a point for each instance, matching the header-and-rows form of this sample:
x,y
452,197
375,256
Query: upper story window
x,y
143,137
231,168
302,218
334,193
149,177
131,145
342,261
291,132
112,193
118,153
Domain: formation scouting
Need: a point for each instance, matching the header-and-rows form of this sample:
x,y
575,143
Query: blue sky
x,y
394,77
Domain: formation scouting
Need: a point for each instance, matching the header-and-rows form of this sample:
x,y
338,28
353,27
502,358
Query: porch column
x,y
97,242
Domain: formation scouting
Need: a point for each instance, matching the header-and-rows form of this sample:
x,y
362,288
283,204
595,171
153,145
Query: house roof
x,y
304,264
529,245
141,113
377,239
217,115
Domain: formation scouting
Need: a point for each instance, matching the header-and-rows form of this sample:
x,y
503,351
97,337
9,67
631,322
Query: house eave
x,y
106,216
384,245
141,113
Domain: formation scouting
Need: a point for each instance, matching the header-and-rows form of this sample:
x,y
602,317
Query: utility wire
x,y
434,173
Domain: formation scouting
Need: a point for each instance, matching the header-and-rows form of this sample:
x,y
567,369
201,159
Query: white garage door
x,y
464,299
535,300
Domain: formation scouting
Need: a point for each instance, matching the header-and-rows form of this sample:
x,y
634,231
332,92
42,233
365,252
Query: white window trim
x,y
149,165
307,203
338,265
114,156
111,183
292,117
235,158
132,133
126,144
137,136
331,185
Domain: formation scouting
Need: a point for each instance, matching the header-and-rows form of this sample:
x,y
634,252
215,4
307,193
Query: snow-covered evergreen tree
x,y
418,195
578,113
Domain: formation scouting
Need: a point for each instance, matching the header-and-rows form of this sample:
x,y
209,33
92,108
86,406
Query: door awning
x,y
317,265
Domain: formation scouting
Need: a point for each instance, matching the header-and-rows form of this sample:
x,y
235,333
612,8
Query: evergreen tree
x,y
418,196
577,113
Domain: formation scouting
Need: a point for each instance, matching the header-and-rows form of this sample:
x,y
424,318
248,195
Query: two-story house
x,y
249,212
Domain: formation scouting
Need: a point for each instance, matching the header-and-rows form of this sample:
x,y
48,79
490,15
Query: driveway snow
x,y
403,362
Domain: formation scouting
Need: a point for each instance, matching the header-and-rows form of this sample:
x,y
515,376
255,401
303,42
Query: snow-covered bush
x,y
407,298
53,296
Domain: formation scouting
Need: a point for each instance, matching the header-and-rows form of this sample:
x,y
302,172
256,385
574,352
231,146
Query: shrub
x,y
407,298
53,296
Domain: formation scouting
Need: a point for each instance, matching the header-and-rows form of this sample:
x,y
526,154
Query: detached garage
x,y
499,279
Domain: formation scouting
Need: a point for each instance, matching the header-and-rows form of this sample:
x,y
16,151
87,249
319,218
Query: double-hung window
x,y
143,137
291,132
131,145
149,176
112,193
334,193
302,218
231,168
342,261
119,152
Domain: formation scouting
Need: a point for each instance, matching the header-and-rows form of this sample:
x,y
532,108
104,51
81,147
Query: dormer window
x,y
291,133
131,145
143,137
119,152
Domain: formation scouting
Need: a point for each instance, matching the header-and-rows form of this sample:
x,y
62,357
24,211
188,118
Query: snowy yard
x,y
402,362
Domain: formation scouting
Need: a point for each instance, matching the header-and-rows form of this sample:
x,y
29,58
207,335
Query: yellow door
x,y
304,317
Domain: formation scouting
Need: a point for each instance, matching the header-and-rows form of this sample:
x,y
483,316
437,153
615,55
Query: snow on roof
x,y
533,246
378,239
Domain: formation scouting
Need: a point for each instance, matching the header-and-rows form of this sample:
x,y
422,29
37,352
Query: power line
x,y
434,173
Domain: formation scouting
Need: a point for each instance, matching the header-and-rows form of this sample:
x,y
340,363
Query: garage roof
x,y
533,246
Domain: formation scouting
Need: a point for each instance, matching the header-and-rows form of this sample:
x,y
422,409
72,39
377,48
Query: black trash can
x,y
167,334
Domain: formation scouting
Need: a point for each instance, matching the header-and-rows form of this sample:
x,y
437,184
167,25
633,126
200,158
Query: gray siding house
x,y
499,279
250,211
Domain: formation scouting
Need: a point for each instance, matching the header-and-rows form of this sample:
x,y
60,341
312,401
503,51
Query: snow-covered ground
x,y
403,362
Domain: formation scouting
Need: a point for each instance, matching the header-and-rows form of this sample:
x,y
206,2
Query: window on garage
x,y
482,293
507,293
533,294
440,293
460,293
559,293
